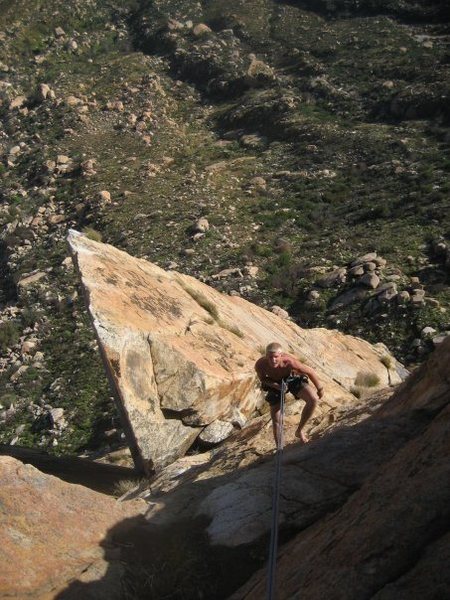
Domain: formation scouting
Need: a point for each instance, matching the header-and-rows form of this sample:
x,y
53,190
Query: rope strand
x,y
275,501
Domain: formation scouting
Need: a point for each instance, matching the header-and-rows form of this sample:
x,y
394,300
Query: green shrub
x,y
92,234
9,335
386,361
202,301
261,250
367,379
7,399
29,317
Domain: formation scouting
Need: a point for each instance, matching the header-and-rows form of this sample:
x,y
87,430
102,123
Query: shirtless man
x,y
275,366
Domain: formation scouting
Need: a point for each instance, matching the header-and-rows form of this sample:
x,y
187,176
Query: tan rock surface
x,y
232,487
180,355
390,539
53,532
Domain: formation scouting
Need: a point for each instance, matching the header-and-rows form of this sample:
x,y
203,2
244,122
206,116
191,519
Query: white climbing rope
x,y
273,549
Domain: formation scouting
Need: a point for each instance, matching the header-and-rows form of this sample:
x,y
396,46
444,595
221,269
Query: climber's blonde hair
x,y
273,348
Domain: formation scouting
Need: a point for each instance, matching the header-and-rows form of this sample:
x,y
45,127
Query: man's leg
x,y
275,413
310,397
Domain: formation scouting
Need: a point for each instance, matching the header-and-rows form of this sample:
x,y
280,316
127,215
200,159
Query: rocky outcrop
x,y
427,389
54,532
390,539
365,498
180,355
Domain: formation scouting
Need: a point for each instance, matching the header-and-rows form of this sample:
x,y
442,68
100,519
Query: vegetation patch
x,y
367,380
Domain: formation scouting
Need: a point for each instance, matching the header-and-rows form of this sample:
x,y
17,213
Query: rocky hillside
x,y
292,153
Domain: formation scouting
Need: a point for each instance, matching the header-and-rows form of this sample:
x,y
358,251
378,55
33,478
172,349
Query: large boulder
x,y
54,532
180,355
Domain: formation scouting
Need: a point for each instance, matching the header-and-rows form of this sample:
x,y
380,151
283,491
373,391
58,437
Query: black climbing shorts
x,y
294,385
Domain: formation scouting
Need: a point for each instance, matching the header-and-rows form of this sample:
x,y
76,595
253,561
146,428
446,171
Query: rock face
x,y
390,540
54,532
366,499
180,355
235,494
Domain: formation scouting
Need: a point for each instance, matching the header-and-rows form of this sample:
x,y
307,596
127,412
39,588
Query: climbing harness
x,y
275,501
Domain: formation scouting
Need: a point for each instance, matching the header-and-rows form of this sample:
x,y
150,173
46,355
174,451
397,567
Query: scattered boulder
x,y
313,295
403,297
280,312
72,46
216,432
201,30
259,183
115,105
251,271
88,167
45,92
370,256
259,73
28,346
356,271
174,25
417,297
18,373
428,332
333,279
17,102
201,225
14,151
30,279
104,197
370,280
57,418
231,272
369,266
73,101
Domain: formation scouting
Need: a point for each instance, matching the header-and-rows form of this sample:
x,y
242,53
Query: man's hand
x,y
320,392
